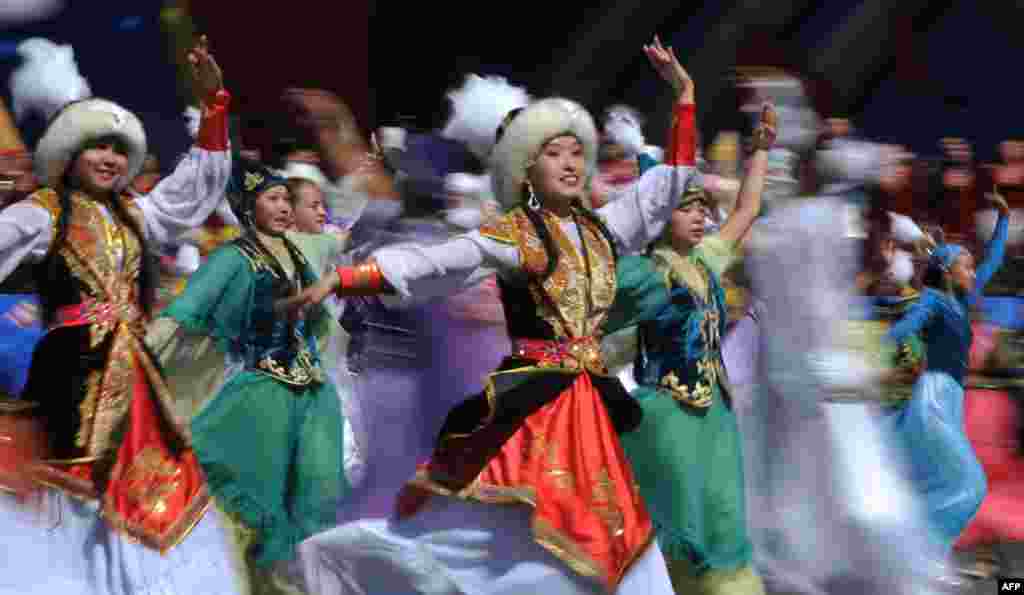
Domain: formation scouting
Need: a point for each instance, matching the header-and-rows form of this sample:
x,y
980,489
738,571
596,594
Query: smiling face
x,y
272,212
99,166
558,173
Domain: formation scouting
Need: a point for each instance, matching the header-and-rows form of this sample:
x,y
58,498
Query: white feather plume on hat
x,y
47,80
84,122
478,108
849,163
528,132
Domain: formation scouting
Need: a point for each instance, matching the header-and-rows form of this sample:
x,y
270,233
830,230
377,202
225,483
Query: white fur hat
x,y
527,132
81,123
478,108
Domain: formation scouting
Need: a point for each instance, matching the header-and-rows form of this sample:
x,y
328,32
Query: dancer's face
x,y
558,173
272,213
99,166
688,225
310,213
962,272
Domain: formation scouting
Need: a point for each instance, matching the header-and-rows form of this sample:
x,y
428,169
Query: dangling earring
x,y
532,201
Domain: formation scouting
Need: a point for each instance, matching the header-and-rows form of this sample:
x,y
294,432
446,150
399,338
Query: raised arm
x,y
414,273
748,203
995,249
188,196
638,217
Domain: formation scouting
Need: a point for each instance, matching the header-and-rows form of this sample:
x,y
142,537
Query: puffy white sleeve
x,y
25,235
184,199
638,214
419,273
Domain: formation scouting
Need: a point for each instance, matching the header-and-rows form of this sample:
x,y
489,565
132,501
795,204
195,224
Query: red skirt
x,y
564,460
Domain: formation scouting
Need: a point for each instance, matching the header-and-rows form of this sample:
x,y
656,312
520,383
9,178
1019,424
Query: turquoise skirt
x,y
272,455
690,471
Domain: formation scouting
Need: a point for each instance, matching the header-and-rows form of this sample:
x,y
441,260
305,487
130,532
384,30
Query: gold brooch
x,y
252,181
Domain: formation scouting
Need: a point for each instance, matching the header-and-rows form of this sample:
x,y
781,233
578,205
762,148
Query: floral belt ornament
x,y
573,355
302,372
701,395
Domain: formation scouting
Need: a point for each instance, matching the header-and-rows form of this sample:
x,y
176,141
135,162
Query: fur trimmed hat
x,y
523,136
81,123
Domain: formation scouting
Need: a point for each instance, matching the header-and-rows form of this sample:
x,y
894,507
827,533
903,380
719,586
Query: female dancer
x,y
275,468
544,433
942,463
687,452
114,443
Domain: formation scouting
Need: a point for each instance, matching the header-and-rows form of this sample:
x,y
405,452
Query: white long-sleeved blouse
x,y
635,218
180,202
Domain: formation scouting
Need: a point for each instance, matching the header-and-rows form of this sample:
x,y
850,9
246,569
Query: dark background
x,y
908,72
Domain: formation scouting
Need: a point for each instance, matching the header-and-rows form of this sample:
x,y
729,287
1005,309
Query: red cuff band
x,y
213,128
683,142
364,279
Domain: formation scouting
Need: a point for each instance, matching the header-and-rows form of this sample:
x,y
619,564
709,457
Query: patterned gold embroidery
x,y
605,505
501,229
87,408
566,301
252,180
151,478
303,371
700,397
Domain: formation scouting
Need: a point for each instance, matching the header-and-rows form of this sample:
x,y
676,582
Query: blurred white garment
x,y
47,79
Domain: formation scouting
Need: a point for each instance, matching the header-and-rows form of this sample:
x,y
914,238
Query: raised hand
x,y
665,62
767,130
316,109
206,74
998,202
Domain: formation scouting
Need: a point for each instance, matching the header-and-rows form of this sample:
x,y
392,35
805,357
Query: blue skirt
x,y
941,461
20,331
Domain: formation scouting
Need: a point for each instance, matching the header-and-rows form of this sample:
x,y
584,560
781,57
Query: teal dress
x,y
270,440
687,452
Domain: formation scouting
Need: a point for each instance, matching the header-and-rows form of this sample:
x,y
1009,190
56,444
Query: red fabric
x,y
682,148
568,455
991,421
213,128
347,276
150,486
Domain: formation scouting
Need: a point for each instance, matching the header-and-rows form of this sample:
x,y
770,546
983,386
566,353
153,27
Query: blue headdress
x,y
249,179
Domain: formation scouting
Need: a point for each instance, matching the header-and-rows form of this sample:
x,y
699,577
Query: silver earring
x,y
532,201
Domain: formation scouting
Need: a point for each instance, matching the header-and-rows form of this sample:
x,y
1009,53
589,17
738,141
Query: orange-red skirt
x,y
565,461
